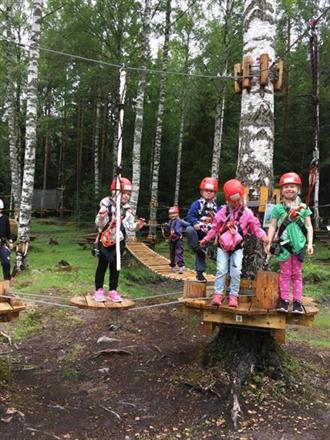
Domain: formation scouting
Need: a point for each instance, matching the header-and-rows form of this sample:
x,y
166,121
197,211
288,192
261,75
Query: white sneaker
x,y
181,269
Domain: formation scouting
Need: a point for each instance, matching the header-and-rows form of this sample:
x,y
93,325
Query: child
x,y
292,220
5,243
106,223
200,216
230,226
176,227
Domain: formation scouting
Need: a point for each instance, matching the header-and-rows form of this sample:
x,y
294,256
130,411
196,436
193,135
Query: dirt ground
x,y
154,384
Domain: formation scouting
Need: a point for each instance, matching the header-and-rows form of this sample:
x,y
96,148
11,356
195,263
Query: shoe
x,y
114,296
297,307
283,306
173,268
217,299
200,277
99,295
181,269
233,301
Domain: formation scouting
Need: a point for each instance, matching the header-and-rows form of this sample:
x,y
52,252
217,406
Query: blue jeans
x,y
193,238
236,259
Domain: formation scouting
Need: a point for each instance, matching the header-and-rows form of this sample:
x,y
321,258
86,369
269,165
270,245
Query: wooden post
x,y
278,335
194,289
247,80
263,198
267,291
207,328
279,76
264,62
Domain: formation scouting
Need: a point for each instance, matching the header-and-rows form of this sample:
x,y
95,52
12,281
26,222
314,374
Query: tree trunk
x,y
31,137
11,116
80,141
136,156
47,145
247,351
256,133
159,127
96,151
220,109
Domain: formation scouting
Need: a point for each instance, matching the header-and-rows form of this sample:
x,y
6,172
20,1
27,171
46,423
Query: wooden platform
x,y
88,302
10,306
159,264
257,310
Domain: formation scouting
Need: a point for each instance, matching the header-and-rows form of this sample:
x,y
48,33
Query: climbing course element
x,y
159,264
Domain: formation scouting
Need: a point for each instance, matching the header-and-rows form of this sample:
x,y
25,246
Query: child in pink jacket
x,y
230,225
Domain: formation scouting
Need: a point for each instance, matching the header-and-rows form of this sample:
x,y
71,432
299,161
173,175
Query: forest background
x,y
78,98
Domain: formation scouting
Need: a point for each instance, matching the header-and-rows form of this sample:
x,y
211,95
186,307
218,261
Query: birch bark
x,y
31,137
11,114
136,156
159,127
256,133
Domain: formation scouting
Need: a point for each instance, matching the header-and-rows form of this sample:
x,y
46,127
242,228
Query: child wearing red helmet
x,y
200,215
229,227
176,226
106,241
291,228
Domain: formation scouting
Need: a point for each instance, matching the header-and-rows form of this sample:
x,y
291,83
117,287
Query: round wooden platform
x,y
88,302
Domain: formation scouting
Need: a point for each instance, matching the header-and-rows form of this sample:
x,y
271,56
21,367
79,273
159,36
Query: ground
x,y
157,385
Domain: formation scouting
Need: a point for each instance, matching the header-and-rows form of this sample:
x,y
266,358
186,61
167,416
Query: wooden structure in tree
x,y
88,302
256,310
10,306
159,264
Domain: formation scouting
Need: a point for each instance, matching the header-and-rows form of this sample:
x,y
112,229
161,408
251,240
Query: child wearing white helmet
x,y
106,240
5,242
291,228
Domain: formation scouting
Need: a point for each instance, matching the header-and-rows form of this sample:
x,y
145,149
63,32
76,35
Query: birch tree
x,y
159,126
220,108
11,112
31,136
138,127
256,132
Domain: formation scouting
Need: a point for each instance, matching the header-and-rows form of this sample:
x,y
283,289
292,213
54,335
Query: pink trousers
x,y
291,270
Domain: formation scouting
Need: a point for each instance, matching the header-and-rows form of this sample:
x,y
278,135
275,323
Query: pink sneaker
x,y
217,299
99,295
233,301
114,296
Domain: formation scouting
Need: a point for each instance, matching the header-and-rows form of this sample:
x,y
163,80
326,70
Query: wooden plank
x,y
304,320
194,289
268,321
263,197
5,308
88,302
267,291
207,328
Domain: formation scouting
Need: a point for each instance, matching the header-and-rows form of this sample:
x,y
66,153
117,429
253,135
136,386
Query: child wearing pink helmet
x,y
106,242
291,228
229,228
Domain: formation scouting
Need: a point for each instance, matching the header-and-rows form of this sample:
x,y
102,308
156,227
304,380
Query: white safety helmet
x,y
1,204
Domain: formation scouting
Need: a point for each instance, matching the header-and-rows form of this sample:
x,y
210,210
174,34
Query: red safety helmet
x,y
233,190
173,210
288,178
209,183
125,185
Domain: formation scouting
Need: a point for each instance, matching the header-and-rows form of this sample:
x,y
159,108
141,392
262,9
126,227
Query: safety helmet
x,y
288,178
209,183
125,184
173,210
1,204
233,190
